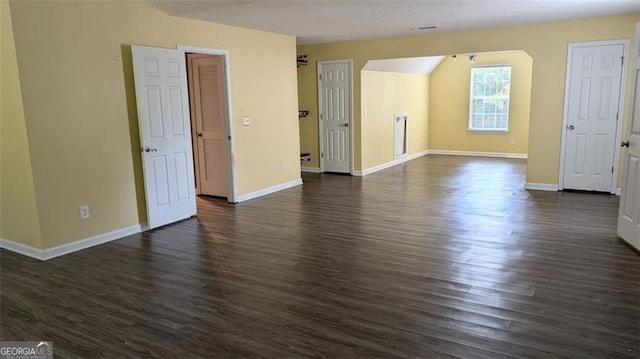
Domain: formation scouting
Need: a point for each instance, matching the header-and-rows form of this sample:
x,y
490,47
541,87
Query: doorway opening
x,y
450,111
211,125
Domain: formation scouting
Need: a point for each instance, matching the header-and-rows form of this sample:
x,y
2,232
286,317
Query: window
x,y
489,105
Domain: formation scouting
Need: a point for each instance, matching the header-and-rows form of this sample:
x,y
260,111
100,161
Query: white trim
x,y
541,186
620,124
233,195
20,248
489,132
391,163
90,242
618,191
563,144
46,254
351,120
310,169
565,105
320,140
479,154
636,48
269,190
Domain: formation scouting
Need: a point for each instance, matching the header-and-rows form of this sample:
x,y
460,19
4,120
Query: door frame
x,y
233,198
623,84
351,119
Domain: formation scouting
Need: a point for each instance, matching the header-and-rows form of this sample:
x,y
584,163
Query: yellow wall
x,y
308,129
75,72
18,214
545,43
449,111
383,95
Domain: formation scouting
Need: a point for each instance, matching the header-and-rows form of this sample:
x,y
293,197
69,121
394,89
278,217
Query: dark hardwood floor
x,y
436,258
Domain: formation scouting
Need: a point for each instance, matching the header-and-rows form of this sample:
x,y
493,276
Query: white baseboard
x,y
479,154
541,186
391,163
20,248
46,254
269,190
310,169
554,187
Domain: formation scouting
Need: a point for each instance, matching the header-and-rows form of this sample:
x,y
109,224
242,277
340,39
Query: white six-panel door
x,y
595,76
165,134
334,86
629,213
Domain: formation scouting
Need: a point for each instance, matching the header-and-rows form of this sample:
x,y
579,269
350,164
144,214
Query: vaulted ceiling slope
x,y
409,65
321,21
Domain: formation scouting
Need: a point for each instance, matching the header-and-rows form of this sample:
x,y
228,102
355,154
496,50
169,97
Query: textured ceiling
x,y
319,21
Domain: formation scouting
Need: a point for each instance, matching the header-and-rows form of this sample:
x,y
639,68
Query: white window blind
x,y
489,104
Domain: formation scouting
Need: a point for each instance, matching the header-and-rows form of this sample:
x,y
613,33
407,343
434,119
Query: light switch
x,y
246,121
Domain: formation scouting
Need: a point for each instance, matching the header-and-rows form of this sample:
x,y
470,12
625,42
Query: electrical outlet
x,y
246,121
512,141
373,153
284,167
84,212
365,112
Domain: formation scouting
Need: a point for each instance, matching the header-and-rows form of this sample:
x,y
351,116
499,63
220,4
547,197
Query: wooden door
x,y
207,90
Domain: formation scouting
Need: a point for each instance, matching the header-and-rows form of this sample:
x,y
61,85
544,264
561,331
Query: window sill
x,y
489,132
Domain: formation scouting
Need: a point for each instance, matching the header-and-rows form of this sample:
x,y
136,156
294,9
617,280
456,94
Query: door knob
x,y
149,149
346,124
571,127
624,144
199,134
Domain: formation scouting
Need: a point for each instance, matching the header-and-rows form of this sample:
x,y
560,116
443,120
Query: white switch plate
x,y
246,121
512,141
84,212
